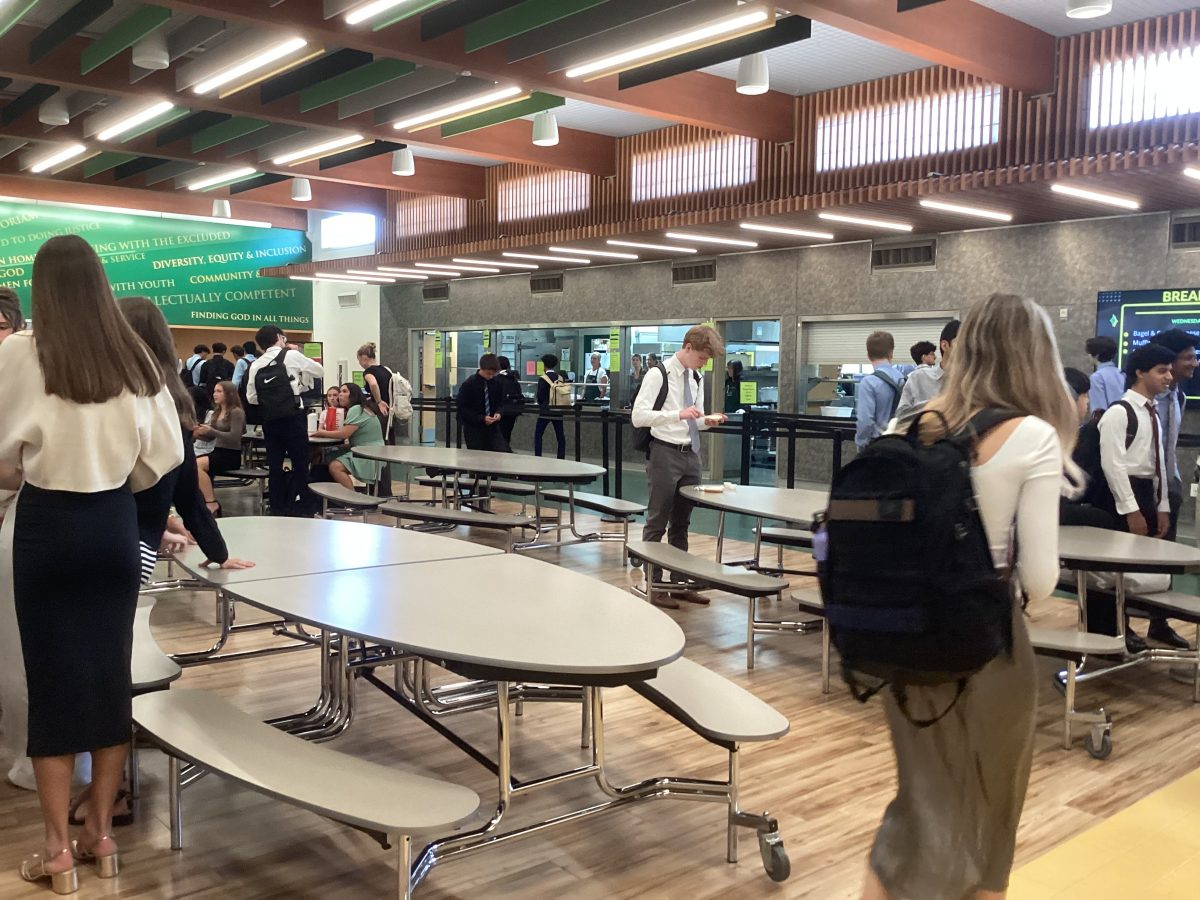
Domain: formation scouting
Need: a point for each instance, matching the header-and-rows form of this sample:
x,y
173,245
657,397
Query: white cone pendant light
x,y
753,77
545,129
53,110
403,163
301,190
151,52
222,210
1088,9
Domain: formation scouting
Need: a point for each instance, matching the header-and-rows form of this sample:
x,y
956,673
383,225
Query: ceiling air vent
x,y
435,292
694,271
1185,232
349,301
551,283
907,255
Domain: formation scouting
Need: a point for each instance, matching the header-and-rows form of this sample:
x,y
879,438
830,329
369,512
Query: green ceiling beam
x,y
519,19
102,162
406,12
166,118
122,36
373,74
225,131
11,16
535,103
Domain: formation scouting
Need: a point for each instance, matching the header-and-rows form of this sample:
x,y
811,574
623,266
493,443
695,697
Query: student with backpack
x,y
878,393
514,399
922,579
216,368
553,396
190,374
276,380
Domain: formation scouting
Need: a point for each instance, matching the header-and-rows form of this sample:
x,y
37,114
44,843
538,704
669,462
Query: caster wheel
x,y
1099,743
774,857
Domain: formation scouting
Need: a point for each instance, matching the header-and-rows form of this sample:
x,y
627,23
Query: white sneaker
x,y
21,774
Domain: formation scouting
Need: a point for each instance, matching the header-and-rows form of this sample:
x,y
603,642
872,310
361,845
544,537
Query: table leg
x,y
720,535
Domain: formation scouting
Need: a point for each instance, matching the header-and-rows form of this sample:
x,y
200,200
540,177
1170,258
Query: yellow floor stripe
x,y
1150,850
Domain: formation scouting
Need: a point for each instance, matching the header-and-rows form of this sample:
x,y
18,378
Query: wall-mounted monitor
x,y
1133,317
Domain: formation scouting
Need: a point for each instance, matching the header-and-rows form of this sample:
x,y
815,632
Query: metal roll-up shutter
x,y
836,343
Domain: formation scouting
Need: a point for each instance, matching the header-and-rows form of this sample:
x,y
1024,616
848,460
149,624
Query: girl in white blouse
x,y
102,426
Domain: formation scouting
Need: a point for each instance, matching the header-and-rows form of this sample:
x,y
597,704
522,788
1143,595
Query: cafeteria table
x,y
796,506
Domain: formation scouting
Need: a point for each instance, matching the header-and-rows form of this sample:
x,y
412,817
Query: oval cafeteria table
x,y
794,505
534,621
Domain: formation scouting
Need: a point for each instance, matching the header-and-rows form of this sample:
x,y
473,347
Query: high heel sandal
x,y
107,866
65,882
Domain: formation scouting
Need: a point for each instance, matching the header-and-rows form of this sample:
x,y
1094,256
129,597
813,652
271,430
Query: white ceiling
x,y
829,59
603,120
1051,15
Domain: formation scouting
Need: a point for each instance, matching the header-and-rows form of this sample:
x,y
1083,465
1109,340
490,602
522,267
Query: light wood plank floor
x,y
828,781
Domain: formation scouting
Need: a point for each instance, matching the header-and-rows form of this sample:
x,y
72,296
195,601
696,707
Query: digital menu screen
x,y
1133,317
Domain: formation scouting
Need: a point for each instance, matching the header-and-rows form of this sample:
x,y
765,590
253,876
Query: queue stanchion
x,y
747,443
578,410
620,426
791,455
604,416
837,454
449,425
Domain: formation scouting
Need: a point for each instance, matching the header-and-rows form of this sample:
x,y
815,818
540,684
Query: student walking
x,y
925,384
1107,382
514,399
951,830
878,394
673,460
275,383
216,369
550,406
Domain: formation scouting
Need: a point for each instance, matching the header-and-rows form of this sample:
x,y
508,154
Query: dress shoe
x,y
1165,636
1134,642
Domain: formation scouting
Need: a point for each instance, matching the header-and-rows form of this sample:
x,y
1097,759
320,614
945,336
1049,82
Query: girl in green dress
x,y
360,428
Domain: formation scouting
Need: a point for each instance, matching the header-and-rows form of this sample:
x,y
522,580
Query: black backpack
x,y
253,412
641,436
276,399
1087,457
911,593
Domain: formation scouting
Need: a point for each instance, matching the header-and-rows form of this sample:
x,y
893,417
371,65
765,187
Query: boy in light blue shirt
x,y
1108,382
878,393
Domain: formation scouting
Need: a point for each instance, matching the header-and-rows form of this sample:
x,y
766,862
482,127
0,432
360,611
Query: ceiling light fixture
x,y
561,259
753,77
246,66
1083,194
372,276
379,274
403,163
151,52
146,213
1192,173
314,150
709,239
443,113
228,175
791,232
438,267
57,157
664,248
54,110
370,10
494,262
723,28
221,209
128,123
391,269
590,252
328,276
869,223
301,190
967,210
1088,9
545,130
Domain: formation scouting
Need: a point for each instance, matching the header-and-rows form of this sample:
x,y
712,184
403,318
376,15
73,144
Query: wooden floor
x,y
827,781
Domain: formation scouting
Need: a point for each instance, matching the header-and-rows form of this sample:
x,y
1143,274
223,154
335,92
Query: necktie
x,y
688,400
487,398
1157,451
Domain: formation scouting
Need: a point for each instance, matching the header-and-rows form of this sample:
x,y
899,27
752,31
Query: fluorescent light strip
x,y
443,112
967,210
674,42
374,276
1082,194
439,267
214,180
606,253
562,259
494,262
704,238
247,66
791,232
128,124
371,10
147,213
330,276
869,223
377,274
1192,173
391,270
187,217
665,248
317,149
59,156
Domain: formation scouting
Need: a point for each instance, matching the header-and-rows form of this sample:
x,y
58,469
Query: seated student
x,y
225,428
1107,382
925,384
360,428
332,414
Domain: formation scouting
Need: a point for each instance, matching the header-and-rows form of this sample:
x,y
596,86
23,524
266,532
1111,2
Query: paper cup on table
x,y
312,422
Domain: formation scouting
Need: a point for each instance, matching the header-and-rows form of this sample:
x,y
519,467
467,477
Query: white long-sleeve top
x,y
1021,483
665,424
300,369
84,448
1140,460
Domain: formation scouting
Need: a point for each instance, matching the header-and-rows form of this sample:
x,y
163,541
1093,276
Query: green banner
x,y
199,273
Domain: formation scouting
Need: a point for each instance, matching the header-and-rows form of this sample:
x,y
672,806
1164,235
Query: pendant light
x,y
403,163
301,190
545,129
1088,9
753,77
151,52
221,209
54,111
